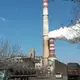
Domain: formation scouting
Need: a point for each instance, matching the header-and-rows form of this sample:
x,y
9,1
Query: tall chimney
x,y
45,33
52,56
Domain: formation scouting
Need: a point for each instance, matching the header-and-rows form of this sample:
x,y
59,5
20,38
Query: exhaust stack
x,y
52,56
51,48
45,33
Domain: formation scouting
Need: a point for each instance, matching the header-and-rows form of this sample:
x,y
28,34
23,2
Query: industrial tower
x,y
48,44
45,33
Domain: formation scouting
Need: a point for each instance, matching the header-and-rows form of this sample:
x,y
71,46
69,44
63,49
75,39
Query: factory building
x,y
40,63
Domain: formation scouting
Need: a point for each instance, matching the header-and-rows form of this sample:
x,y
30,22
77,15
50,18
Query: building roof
x,y
32,59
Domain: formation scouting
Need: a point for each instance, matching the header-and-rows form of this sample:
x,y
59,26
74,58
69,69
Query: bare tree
x,y
15,50
9,51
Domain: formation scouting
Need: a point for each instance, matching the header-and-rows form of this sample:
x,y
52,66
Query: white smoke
x,y
70,33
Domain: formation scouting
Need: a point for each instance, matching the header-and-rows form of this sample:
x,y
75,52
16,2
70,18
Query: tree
x,y
7,50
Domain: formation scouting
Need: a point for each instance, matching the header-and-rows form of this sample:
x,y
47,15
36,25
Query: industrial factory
x,y
45,67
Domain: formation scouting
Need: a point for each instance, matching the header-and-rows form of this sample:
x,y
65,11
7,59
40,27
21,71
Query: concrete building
x,y
40,63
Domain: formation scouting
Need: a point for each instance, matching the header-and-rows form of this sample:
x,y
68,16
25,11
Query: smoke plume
x,y
69,33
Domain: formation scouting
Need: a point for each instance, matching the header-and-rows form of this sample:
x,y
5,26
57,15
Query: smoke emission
x,y
69,33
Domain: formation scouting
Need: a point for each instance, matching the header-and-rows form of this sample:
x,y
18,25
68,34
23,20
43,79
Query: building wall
x,y
60,67
29,62
39,65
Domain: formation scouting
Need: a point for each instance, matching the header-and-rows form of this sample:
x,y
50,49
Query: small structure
x,y
40,63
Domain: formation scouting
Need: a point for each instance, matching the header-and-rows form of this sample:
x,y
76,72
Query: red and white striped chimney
x,y
51,48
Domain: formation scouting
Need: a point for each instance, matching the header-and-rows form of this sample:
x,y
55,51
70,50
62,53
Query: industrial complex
x,y
45,67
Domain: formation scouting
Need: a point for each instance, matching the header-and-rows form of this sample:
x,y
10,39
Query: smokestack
x,y
45,33
51,48
52,56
